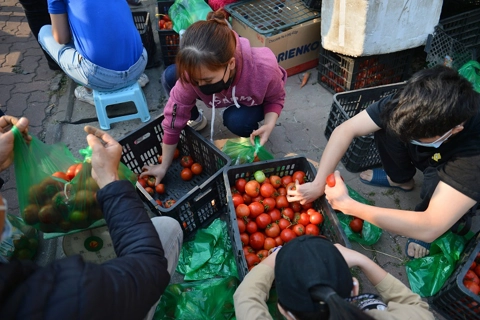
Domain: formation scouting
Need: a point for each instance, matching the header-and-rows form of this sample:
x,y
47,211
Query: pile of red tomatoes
x,y
265,217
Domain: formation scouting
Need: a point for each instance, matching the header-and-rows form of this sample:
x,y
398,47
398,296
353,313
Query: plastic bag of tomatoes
x,y
56,191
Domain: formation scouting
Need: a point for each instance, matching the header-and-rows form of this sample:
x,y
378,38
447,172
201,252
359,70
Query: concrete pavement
x,y
29,88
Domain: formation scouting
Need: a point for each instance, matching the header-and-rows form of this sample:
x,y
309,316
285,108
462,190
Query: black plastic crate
x,y
454,300
338,73
362,154
144,26
454,7
313,4
269,17
331,226
198,201
169,39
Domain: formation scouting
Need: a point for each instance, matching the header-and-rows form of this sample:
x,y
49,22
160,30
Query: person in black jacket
x,y
126,287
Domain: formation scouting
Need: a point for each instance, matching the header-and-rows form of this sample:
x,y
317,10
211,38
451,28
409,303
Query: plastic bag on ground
x,y
209,255
471,71
242,151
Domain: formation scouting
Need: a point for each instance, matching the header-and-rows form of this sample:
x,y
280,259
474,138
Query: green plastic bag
x,y
202,300
53,204
22,244
427,275
185,12
242,151
471,71
370,233
209,255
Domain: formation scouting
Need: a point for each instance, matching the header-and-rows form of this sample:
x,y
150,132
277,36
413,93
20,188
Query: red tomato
x,y
241,225
304,219
281,202
300,176
299,229
78,168
472,286
287,235
176,154
256,208
247,250
160,158
142,182
71,171
251,227
169,203
356,225
316,218
252,259
276,181
269,243
242,211
269,204
286,180
266,190
186,161
240,185
291,186
258,198
159,202
473,265
262,254
256,240
471,276
282,191
477,270
151,182
263,220
61,175
296,206
252,188
246,199
288,212
331,180
307,206
237,199
272,230
160,188
275,214
283,223
186,174
312,229
279,241
149,190
196,168
245,238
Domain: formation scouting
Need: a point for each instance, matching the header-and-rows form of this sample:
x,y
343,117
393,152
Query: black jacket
x,y
123,288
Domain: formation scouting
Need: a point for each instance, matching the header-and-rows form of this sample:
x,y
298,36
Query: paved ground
x,y
29,88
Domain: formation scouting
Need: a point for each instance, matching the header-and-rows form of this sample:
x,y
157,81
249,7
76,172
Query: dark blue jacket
x,y
123,288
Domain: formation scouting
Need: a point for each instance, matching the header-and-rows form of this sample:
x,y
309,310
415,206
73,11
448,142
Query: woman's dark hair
x,y
332,308
210,43
432,102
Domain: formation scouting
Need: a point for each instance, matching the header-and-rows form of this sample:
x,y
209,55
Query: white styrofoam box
x,y
367,27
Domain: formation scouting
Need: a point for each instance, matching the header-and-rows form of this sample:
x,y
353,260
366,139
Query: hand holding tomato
x,y
106,153
338,196
158,171
304,193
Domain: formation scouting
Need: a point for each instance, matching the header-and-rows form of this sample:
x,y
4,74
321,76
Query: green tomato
x,y
259,176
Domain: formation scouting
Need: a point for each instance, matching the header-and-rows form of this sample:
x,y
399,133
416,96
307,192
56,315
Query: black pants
x,y
36,12
398,165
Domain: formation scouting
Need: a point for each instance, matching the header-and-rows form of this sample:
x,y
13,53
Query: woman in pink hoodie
x,y
217,66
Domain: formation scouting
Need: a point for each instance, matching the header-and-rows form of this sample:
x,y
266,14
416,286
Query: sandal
x,y
424,244
379,179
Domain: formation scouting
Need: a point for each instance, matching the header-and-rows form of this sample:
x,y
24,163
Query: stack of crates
x,y
169,39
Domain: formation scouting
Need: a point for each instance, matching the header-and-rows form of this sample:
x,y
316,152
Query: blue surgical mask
x,y
7,227
435,144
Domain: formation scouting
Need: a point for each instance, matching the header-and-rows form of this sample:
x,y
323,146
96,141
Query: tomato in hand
x,y
186,174
312,229
186,161
287,235
252,188
257,240
263,220
331,180
196,168
240,185
151,182
299,176
356,225
160,158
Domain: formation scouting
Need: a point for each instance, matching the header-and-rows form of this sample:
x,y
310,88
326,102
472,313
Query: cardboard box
x,y
297,49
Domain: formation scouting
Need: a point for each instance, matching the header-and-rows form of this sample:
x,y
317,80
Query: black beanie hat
x,y
308,262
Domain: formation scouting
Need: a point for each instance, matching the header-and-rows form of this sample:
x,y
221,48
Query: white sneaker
x,y
143,80
83,95
200,124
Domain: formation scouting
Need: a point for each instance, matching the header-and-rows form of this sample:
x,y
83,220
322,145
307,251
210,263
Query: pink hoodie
x,y
258,80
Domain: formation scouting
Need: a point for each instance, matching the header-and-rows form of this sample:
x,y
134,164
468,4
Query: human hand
x,y
338,196
106,153
304,193
263,133
158,171
270,259
7,138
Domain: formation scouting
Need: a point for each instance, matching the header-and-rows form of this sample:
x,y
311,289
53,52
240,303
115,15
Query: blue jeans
x,y
86,72
240,121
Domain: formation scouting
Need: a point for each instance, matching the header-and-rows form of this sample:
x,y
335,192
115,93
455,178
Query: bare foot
x,y
417,251
368,175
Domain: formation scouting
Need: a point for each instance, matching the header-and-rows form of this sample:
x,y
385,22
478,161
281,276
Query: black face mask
x,y
211,88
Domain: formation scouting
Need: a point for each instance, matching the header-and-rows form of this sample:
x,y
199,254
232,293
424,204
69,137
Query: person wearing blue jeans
x,y
97,45
250,116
